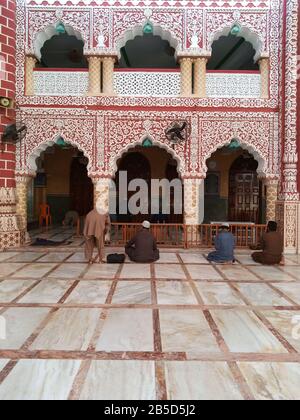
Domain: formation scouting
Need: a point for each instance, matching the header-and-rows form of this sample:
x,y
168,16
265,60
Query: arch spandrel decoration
x,y
44,130
155,143
48,33
158,30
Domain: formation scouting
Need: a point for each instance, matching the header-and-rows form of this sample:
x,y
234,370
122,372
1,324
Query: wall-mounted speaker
x,y
6,102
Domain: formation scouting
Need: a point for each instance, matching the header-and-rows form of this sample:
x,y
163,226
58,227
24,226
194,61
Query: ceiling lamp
x,y
147,143
60,28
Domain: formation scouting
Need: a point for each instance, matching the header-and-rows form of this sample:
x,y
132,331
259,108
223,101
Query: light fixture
x,y
60,28
148,28
235,30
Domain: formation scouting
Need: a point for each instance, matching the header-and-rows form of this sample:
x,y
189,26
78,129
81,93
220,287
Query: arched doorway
x,y
233,191
62,182
244,190
150,163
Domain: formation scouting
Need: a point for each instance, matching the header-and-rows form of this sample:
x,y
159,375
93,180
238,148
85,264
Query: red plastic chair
x,y
45,215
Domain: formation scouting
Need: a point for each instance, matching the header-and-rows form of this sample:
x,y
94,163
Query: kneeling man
x,y
271,245
143,248
224,244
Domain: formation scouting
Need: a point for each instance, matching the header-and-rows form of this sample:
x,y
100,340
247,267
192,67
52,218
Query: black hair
x,y
272,226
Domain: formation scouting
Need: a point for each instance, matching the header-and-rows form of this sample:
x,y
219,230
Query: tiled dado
x,y
178,329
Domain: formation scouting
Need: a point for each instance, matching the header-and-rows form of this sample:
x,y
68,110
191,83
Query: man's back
x,y
145,245
273,243
225,243
95,224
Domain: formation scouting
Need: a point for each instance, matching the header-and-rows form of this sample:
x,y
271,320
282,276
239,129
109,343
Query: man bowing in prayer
x,y
97,224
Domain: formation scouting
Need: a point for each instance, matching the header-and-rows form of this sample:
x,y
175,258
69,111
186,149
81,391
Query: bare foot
x,y
91,262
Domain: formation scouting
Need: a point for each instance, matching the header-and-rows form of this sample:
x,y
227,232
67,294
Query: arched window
x,y
232,52
147,51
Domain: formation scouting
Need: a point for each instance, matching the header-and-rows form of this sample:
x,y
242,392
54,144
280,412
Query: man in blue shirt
x,y
224,244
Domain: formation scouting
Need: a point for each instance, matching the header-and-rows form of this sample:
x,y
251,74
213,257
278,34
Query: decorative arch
x,y
245,32
262,164
158,30
48,33
114,165
35,154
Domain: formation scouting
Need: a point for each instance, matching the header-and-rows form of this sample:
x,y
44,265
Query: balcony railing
x,y
146,82
61,82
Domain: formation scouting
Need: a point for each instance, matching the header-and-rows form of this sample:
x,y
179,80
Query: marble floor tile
x,y
292,290
20,324
7,269
186,330
9,289
34,270
175,293
271,274
136,271
4,256
237,273
55,257
294,258
127,330
203,272
246,260
40,380
192,258
287,323
90,292
132,292
292,270
47,292
68,271
273,381
166,258
167,271
243,332
78,257
218,294
3,363
261,294
200,381
120,380
101,271
27,257
68,329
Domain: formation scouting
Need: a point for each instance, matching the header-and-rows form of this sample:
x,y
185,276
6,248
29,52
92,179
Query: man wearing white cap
x,y
143,248
224,244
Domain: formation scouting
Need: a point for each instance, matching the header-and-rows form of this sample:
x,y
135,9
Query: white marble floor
x,y
178,329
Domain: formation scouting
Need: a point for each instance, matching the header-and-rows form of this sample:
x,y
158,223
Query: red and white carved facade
x,y
106,125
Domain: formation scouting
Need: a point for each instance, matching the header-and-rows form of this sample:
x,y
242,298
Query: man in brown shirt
x,y
271,245
97,223
143,248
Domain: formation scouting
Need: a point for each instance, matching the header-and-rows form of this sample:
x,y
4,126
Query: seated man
x,y
271,245
143,248
224,244
71,218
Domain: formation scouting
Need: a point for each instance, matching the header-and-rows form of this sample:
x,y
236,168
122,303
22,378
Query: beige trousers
x,y
90,243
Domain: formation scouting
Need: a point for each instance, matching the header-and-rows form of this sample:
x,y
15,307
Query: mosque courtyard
x,y
178,329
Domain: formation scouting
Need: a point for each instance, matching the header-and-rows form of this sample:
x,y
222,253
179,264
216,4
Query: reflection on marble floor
x,y
178,329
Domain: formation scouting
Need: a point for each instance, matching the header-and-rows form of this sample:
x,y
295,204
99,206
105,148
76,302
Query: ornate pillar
x,y
30,63
200,77
271,198
186,68
22,183
264,65
108,64
288,206
193,201
101,192
94,75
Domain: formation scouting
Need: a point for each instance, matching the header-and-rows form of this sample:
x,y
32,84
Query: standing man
x,y
143,248
271,245
97,224
224,244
